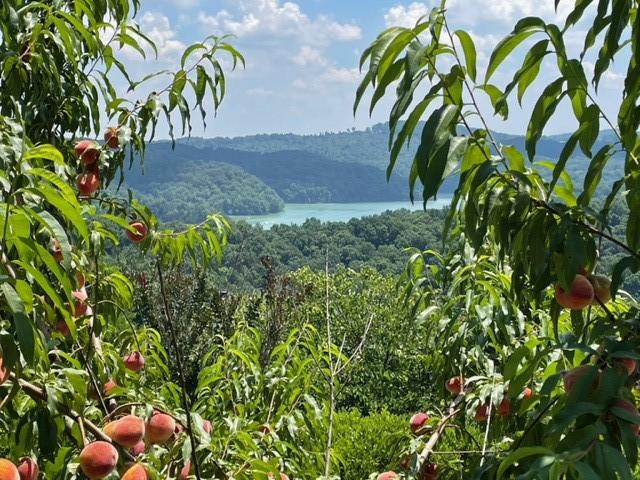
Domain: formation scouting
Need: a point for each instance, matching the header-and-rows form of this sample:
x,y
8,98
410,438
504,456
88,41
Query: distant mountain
x,y
257,174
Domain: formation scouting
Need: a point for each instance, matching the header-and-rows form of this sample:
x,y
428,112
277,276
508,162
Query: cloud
x,y
342,75
158,28
309,56
260,92
271,18
401,16
502,11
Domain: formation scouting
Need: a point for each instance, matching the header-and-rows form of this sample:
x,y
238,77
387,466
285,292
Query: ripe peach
x,y
184,471
482,413
4,373
601,289
206,426
579,296
628,363
283,476
631,408
160,428
8,470
134,361
87,151
127,431
88,184
63,328
56,251
417,421
504,409
138,448
388,476
455,385
527,393
98,459
28,469
109,386
136,472
429,472
140,234
573,376
111,138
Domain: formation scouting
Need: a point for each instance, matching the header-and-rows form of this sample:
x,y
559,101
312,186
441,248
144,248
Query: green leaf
x,y
189,51
469,52
518,455
48,152
594,174
542,112
505,47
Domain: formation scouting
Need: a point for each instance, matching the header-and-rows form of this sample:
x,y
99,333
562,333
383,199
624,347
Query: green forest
x,y
145,336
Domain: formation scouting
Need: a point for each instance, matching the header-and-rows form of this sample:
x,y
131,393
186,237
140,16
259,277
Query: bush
x,y
368,444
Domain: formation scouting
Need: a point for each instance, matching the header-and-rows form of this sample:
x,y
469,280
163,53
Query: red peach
x,y
206,426
579,296
455,385
8,470
388,476
417,421
98,459
601,289
138,448
28,469
504,409
4,373
629,364
88,184
573,376
482,413
136,472
127,431
429,472
527,393
160,428
631,408
87,151
111,138
134,361
184,471
140,233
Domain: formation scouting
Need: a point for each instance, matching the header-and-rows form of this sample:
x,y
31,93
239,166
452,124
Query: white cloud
x,y
158,28
504,11
341,75
260,92
275,19
309,56
401,16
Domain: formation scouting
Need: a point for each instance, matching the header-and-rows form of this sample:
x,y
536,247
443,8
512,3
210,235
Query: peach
x,y
160,428
109,386
601,289
134,361
417,421
573,376
579,296
87,151
56,251
631,408
429,472
136,472
28,469
388,476
111,138
62,328
4,373
140,233
98,459
283,476
455,385
184,471
8,470
482,413
206,426
127,431
629,364
88,184
527,393
138,448
504,409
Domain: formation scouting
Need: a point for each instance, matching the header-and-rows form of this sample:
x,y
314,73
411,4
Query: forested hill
x,y
258,174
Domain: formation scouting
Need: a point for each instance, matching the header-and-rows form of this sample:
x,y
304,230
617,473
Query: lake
x,y
298,213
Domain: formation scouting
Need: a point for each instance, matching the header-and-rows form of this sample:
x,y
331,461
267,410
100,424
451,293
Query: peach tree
x,y
85,392
539,342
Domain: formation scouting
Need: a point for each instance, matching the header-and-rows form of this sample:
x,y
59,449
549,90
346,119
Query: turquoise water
x,y
298,213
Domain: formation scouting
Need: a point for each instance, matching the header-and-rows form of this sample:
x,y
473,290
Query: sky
x,y
302,56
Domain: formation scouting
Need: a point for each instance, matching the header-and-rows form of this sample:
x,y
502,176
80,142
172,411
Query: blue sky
x,y
302,55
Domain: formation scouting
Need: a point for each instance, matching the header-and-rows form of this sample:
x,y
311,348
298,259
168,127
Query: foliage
x,y
525,232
